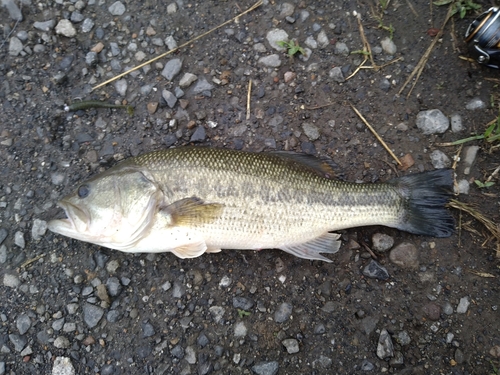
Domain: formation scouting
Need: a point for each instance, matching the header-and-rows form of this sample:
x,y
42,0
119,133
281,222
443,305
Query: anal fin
x,y
328,243
190,250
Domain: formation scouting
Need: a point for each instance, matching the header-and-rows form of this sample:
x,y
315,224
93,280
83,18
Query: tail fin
x,y
425,196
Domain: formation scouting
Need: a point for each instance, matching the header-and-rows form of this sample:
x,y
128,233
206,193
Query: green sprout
x,y
483,185
459,6
292,47
243,313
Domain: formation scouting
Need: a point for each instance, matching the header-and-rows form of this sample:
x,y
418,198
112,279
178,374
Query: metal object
x,y
483,37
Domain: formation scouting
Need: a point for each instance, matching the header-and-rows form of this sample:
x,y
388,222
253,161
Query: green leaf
x,y
442,2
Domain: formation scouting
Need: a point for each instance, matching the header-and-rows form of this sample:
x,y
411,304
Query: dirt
x,y
218,313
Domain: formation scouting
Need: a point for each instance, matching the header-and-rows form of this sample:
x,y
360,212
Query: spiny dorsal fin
x,y
323,167
192,210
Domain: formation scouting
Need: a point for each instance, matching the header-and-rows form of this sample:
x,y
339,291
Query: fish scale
x,y
227,199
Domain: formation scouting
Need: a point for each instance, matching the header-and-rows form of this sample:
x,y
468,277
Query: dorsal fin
x,y
323,167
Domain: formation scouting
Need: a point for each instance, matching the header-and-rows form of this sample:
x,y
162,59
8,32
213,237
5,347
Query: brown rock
x,y
152,107
98,47
405,255
432,311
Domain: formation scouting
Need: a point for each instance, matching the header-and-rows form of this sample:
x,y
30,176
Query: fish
x,y
194,200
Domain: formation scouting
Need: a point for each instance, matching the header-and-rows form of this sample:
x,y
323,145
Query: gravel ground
x,y
423,306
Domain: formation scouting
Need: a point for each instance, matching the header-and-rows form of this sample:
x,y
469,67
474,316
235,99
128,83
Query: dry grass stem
x,y
493,229
376,135
423,60
248,98
255,6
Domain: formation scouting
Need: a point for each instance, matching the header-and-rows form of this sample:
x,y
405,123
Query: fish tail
x,y
425,196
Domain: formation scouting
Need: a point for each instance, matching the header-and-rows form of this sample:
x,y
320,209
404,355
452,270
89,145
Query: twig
x,y
256,5
493,174
410,5
11,31
32,260
248,98
423,60
376,135
320,106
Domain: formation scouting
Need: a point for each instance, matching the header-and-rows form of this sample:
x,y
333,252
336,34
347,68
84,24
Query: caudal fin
x,y
425,196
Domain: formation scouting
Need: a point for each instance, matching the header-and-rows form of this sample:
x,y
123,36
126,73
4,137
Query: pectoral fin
x,y
190,250
192,211
327,243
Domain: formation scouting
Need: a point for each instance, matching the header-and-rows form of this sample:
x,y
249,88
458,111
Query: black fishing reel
x,y
483,37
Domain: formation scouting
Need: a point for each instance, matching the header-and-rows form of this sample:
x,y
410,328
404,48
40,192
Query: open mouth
x,y
74,225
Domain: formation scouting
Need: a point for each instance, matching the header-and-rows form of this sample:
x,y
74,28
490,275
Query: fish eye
x,y
83,191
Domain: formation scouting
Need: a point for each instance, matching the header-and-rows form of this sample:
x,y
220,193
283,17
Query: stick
x,y
255,6
376,135
248,98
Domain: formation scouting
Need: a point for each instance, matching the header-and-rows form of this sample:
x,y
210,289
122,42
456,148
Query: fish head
x,y
112,209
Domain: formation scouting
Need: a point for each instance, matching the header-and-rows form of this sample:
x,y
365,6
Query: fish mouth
x,y
75,224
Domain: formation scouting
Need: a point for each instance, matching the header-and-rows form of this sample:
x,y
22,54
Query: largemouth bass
x,y
193,200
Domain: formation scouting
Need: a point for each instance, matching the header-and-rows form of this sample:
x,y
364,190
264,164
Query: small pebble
x,y
382,242
63,366
388,46
375,271
463,305
283,312
432,121
385,348
117,8
19,239
474,104
271,61
439,159
405,255
65,28
291,345
266,368
275,36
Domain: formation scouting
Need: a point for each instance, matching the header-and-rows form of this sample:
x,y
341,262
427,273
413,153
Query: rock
x,y
291,345
463,305
266,368
65,28
147,330
92,314
61,342
240,329
323,362
439,159
311,42
287,10
3,235
199,134
12,281
388,46
15,46
171,69
306,54
456,123
283,312
277,35
289,76
474,104
18,341
495,351
375,271
403,338
19,239
311,131
341,49
63,366
190,355
87,25
170,42
171,8
470,154
462,187
271,61
369,324
217,313
44,26
336,74
13,10
177,351
242,303
187,79
38,229
169,97
432,121
114,287
23,323
382,242
432,311
117,8
405,255
366,365
322,39
91,58
202,85
398,360
121,87
385,348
